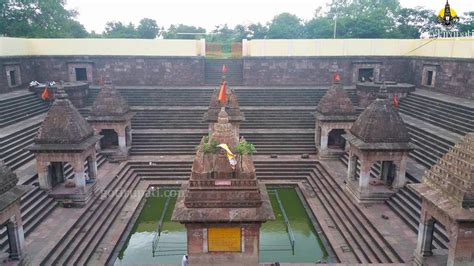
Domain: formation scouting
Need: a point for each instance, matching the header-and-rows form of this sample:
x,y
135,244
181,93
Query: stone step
x,y
374,241
201,97
67,244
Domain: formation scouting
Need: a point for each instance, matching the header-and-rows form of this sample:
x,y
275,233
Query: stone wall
x,y
453,76
128,70
27,72
122,70
264,71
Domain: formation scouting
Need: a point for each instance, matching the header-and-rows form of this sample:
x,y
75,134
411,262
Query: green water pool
x,y
275,244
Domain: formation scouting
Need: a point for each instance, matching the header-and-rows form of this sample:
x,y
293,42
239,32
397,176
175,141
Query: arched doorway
x,y
56,173
335,139
109,139
388,172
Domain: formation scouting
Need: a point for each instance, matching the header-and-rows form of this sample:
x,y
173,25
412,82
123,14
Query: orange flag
x,y
224,69
45,94
336,77
395,101
222,92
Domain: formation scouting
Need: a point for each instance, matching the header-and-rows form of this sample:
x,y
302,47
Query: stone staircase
x,y
365,241
368,244
453,117
213,71
185,143
429,147
36,205
200,96
407,205
13,146
79,244
19,108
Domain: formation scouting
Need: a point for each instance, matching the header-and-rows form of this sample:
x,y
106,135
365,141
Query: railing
x,y
287,222
156,237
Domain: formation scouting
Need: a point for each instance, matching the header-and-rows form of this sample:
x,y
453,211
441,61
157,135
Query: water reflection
x,y
274,239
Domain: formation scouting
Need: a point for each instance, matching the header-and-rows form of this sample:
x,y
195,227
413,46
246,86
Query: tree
x,y
176,32
148,29
119,30
319,28
412,22
38,19
466,25
240,32
257,31
285,26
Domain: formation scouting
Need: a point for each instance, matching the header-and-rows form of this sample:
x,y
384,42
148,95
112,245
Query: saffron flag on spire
x,y
45,94
336,77
222,92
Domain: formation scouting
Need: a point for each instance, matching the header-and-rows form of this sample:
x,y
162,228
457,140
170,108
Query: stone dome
x,y
336,101
380,123
63,123
109,103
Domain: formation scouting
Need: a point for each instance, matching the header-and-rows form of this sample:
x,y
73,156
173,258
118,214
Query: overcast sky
x,y
93,14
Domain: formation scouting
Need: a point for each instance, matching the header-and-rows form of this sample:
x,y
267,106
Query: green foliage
x,y
355,19
214,146
115,29
39,19
245,147
148,29
208,147
257,31
467,22
286,26
176,32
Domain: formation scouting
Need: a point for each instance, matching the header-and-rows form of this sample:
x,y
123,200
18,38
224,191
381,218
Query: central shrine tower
x,y
222,205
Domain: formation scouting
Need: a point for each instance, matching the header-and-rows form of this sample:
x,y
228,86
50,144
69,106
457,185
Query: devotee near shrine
x,y
270,151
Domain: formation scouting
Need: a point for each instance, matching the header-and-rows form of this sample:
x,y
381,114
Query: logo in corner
x,y
447,16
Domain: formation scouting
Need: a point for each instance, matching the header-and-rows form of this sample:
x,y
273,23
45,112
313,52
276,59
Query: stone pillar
x,y
364,177
324,139
79,177
122,141
16,238
425,239
400,177
317,134
129,136
461,244
351,167
384,168
43,175
92,163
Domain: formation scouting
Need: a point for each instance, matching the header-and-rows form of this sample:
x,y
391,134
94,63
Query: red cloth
x,y
222,92
224,69
336,77
395,101
45,94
